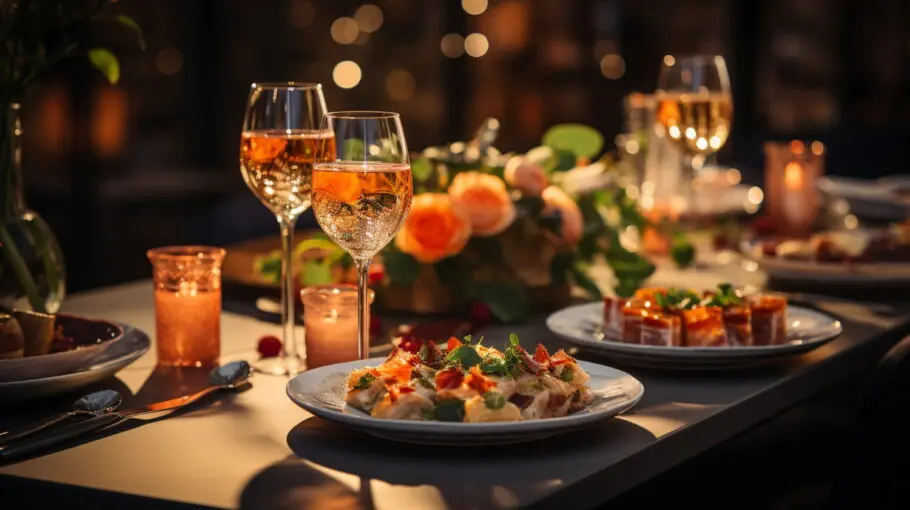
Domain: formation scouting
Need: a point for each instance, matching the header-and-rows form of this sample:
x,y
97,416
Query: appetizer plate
x,y
131,346
583,325
321,391
91,336
830,273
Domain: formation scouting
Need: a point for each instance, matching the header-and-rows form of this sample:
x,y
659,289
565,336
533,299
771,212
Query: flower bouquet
x,y
514,232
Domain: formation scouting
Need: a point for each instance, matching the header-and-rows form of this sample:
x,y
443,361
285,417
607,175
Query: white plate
x,y
128,349
874,199
583,325
321,392
828,272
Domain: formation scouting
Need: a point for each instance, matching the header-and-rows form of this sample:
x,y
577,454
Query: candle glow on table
x,y
791,174
330,323
187,281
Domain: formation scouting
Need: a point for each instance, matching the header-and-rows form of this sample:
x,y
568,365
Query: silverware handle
x,y
6,439
59,436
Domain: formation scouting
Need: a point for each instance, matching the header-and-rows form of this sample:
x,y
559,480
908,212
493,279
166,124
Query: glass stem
x,y
363,308
287,290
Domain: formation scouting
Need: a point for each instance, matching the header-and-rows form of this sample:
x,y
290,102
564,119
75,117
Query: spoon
x,y
230,376
93,404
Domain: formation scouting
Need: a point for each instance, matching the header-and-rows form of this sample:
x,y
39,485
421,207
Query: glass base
x,y
282,365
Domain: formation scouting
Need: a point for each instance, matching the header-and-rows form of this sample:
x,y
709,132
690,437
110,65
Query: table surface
x,y
257,449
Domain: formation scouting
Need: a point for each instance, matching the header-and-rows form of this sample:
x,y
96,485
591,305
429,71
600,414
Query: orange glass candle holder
x,y
792,170
187,282
330,324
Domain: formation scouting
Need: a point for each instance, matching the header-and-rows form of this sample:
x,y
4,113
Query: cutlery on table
x,y
93,404
230,376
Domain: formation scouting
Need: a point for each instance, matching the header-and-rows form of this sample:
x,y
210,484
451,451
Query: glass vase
x,y
32,274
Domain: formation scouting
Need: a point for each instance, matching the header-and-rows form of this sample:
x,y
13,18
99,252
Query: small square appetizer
x,y
769,320
468,382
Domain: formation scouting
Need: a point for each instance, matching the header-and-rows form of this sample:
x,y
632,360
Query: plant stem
x,y
21,270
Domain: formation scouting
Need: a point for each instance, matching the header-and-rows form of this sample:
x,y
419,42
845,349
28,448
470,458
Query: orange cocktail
x,y
187,283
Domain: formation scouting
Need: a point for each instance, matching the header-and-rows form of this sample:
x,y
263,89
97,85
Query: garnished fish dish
x,y
464,381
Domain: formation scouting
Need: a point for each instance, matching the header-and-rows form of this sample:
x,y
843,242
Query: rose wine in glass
x,y
281,140
363,195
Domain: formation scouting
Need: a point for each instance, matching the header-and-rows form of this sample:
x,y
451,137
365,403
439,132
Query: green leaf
x,y
682,251
513,340
316,273
507,302
563,160
365,381
354,150
400,267
465,355
494,400
131,24
580,274
421,169
567,374
578,139
268,267
105,61
449,410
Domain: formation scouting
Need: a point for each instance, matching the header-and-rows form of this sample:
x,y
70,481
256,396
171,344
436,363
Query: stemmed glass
x,y
362,194
280,142
694,109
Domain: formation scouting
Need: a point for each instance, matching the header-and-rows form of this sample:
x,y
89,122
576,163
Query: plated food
x,y
721,317
470,382
891,245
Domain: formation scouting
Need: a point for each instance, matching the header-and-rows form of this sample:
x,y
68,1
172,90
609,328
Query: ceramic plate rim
x,y
705,353
364,421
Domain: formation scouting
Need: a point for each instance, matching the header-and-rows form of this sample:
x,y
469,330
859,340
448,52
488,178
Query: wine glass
x,y
362,192
280,142
694,110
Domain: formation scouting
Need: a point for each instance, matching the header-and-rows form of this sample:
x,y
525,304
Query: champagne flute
x,y
362,194
280,142
694,109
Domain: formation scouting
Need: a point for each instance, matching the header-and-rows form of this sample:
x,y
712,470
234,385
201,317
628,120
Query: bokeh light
x,y
347,74
369,18
400,85
475,7
476,45
169,61
345,30
452,45
612,66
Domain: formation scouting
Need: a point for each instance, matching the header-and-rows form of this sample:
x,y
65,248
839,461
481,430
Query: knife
x,y
230,376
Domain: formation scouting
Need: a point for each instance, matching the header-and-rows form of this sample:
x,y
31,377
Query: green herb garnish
x,y
365,382
726,296
567,374
493,365
449,410
467,339
463,355
676,299
494,400
513,339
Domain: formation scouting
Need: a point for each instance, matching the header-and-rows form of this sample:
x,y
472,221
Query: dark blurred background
x,y
153,161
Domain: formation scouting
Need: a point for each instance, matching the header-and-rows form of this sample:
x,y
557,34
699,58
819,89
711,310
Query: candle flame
x,y
793,176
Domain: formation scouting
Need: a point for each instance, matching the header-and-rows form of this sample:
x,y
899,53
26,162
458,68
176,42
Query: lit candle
x,y
330,323
791,174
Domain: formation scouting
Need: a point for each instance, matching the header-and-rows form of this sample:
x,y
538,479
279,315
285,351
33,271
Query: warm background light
x,y
369,18
400,85
475,7
345,30
347,74
452,45
476,45
612,66
169,61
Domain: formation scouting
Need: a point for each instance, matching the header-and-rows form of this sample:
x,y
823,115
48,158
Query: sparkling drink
x,y
699,123
277,165
361,206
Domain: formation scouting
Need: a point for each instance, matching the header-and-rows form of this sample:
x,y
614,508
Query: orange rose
x,y
555,199
432,230
484,200
344,186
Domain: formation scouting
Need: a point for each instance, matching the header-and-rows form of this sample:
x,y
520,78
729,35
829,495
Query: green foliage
x,y
449,410
580,140
507,302
465,356
400,267
682,251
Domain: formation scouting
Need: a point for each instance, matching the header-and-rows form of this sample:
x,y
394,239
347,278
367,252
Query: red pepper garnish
x,y
452,344
405,389
477,382
449,378
410,344
541,355
529,363
561,358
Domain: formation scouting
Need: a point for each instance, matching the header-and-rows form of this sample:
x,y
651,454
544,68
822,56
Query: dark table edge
x,y
672,449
